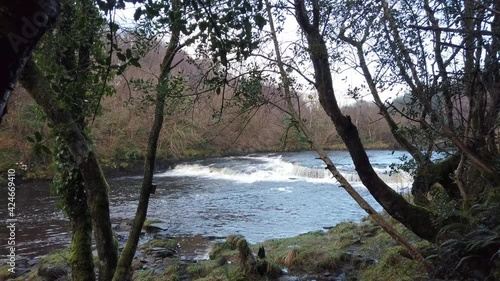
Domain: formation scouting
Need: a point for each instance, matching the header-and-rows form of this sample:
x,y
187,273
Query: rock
x,y
341,277
136,264
289,278
153,228
51,272
212,237
33,262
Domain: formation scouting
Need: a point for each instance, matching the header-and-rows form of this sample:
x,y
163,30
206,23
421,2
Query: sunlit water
x,y
260,196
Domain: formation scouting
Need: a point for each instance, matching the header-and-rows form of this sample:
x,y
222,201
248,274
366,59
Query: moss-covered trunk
x,y
431,173
81,258
69,184
72,136
416,218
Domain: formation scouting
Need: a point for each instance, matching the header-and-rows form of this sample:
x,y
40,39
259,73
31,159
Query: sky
x,y
287,37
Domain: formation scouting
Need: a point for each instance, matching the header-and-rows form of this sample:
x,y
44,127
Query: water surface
x,y
260,196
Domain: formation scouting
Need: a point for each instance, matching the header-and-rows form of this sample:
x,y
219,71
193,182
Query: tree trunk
x,y
417,219
331,167
22,24
127,255
70,185
79,146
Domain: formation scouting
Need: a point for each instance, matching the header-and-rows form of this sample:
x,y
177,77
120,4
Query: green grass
x,y
348,247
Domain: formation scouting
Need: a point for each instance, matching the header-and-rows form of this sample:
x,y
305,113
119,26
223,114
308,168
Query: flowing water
x,y
260,196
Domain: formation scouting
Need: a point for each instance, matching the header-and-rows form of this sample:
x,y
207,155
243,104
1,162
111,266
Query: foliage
x,y
469,248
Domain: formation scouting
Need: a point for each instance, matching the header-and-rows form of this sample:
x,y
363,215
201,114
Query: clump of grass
x,y
196,271
290,258
394,267
4,273
234,260
227,249
164,243
171,273
144,275
149,222
311,252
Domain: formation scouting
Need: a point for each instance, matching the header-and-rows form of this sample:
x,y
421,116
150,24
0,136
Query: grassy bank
x,y
353,251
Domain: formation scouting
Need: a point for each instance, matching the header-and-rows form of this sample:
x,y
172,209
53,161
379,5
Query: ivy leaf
x,y
138,14
45,149
260,21
37,150
56,88
135,62
121,56
38,137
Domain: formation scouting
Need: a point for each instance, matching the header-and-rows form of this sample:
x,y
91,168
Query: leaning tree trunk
x,y
22,24
79,146
379,219
127,255
417,219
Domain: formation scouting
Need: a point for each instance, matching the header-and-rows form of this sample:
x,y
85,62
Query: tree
x,y
414,217
434,51
329,164
70,127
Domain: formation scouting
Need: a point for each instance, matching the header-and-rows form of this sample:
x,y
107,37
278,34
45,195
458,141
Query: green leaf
x,y
260,21
56,88
30,139
138,14
135,62
38,137
217,91
37,150
129,53
121,56
46,150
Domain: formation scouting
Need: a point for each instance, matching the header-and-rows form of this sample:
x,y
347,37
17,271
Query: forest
x,y
83,92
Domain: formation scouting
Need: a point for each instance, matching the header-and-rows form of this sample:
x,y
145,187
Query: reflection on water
x,y
258,196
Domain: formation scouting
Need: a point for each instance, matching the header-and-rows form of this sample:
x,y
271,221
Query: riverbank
x,y
44,169
347,251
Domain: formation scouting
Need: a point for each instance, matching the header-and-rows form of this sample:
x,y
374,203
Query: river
x,y
260,196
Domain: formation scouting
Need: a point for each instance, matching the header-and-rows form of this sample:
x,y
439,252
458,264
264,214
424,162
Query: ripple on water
x,y
211,205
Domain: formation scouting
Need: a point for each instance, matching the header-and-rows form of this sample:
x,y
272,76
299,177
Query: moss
x,y
222,250
164,243
149,222
196,271
144,275
310,252
57,258
171,273
394,267
4,273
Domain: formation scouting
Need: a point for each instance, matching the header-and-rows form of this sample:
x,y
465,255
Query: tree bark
x,y
412,251
76,207
124,264
22,24
417,219
80,148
